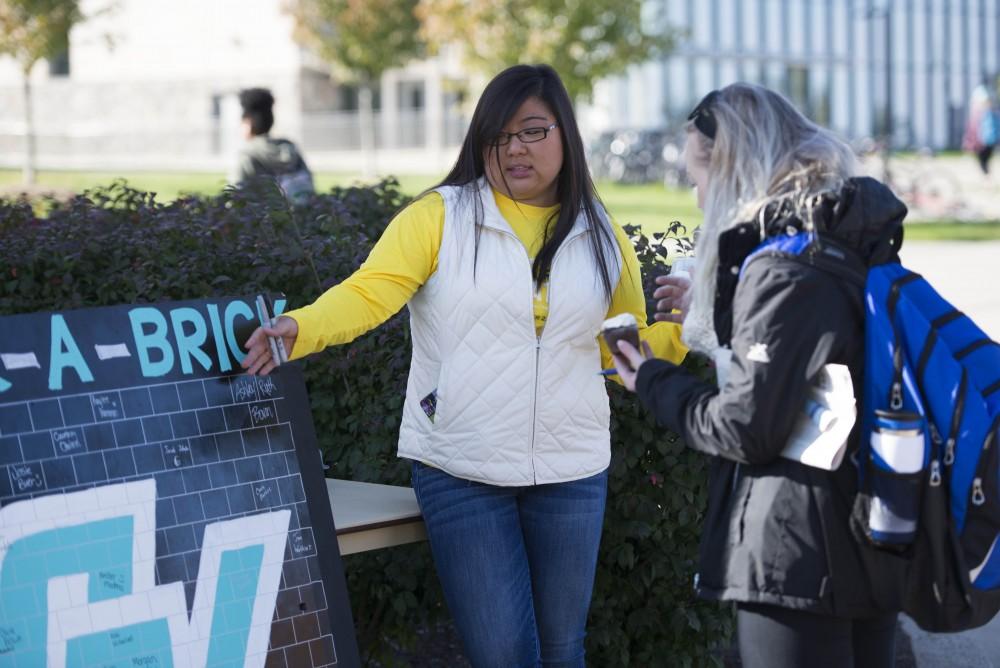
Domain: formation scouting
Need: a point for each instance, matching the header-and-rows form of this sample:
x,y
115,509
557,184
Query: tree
x,y
584,40
33,30
361,39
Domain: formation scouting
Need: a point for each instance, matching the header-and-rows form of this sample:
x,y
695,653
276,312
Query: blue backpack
x,y
928,500
929,471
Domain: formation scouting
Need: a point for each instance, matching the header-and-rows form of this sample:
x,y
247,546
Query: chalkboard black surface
x,y
158,507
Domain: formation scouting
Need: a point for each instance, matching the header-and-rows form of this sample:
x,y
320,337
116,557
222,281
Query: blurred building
x,y
831,57
153,83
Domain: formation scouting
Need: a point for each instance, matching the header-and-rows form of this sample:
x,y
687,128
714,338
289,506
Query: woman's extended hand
x,y
674,293
628,360
258,359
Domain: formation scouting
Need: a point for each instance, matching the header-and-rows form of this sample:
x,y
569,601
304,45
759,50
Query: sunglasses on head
x,y
702,115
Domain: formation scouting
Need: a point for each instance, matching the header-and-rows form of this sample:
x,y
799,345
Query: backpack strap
x,y
991,389
782,244
832,255
895,290
817,249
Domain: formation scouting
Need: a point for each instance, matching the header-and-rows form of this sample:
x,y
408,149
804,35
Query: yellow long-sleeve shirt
x,y
407,255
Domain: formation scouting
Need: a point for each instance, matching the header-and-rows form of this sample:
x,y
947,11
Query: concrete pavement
x,y
968,275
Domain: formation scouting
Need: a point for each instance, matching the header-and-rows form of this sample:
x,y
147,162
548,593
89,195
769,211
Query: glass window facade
x,y
849,64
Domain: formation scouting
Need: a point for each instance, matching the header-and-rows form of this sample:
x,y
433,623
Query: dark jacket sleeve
x,y
789,319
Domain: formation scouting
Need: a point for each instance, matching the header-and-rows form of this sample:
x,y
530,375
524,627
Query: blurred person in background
x,y
982,128
263,156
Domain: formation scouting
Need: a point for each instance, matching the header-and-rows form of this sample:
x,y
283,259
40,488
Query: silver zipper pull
x,y
978,497
935,434
935,473
949,452
896,398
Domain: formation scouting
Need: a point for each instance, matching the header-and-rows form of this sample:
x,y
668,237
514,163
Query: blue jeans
x,y
516,564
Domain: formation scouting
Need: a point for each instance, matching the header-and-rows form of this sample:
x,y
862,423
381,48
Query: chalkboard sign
x,y
158,507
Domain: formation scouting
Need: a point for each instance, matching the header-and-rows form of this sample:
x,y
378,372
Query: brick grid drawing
x,y
218,448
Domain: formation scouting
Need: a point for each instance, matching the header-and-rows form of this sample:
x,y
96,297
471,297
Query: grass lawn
x,y
953,230
652,206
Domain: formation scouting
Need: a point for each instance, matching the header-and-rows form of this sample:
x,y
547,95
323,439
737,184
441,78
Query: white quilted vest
x,y
512,408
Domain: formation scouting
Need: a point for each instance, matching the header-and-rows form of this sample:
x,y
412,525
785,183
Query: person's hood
x,y
863,215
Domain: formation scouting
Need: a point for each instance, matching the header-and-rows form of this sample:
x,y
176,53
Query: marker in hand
x,y
277,344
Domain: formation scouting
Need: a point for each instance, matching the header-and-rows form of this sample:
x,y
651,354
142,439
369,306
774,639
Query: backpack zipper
x,y
956,422
978,497
936,440
895,290
935,479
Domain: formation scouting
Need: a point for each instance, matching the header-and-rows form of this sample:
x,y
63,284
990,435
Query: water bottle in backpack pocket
x,y
896,463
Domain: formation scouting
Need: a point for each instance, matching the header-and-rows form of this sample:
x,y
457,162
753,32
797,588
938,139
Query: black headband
x,y
703,117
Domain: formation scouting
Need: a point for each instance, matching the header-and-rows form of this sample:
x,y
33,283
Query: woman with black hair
x,y
509,267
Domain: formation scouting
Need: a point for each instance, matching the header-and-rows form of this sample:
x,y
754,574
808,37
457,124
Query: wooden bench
x,y
370,516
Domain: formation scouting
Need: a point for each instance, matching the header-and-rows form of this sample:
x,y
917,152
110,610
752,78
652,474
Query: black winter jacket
x,y
777,531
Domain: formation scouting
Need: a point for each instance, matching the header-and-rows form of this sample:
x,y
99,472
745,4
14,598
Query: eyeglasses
x,y
525,136
702,116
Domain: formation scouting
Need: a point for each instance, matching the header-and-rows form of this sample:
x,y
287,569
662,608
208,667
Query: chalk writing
x,y
244,389
177,454
266,386
27,477
301,542
119,639
263,414
264,491
112,581
67,440
9,639
106,406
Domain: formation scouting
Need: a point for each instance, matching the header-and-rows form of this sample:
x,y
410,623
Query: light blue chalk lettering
x,y
34,560
279,306
65,353
217,336
4,385
189,345
236,591
233,310
157,339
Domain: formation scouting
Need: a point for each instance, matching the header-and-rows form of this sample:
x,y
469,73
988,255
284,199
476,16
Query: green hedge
x,y
117,245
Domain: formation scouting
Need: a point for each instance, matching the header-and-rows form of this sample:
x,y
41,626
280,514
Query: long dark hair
x,y
502,97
